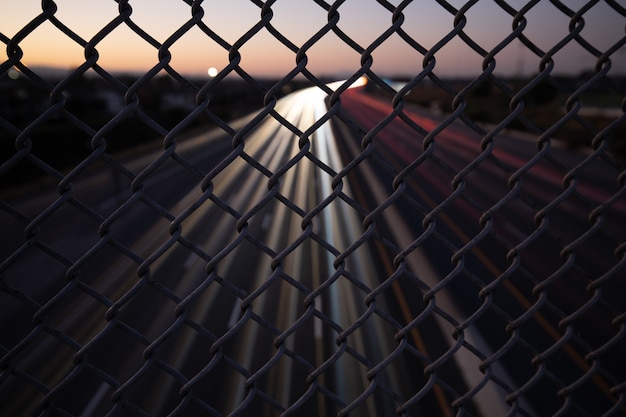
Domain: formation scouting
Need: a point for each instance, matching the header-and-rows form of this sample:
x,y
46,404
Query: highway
x,y
515,249
255,276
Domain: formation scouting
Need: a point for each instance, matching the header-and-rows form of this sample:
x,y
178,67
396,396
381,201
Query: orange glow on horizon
x,y
265,55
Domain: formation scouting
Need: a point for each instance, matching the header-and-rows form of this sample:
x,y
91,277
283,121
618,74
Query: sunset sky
x,y
363,20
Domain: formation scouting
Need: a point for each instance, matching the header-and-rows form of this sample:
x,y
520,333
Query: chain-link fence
x,y
443,240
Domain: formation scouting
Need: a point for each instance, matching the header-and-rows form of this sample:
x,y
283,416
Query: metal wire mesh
x,y
341,250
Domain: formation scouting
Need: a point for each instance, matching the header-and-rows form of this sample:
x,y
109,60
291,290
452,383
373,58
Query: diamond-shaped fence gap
x,y
568,55
114,188
543,314
589,303
39,381
379,329
492,196
198,61
68,317
133,345
603,334
433,97
94,110
511,235
169,386
311,332
24,95
236,98
517,350
185,179
456,59
603,100
543,172
500,26
86,377
286,119
153,226
298,31
494,332
198,227
403,365
589,41
271,157
420,228
160,22
352,20
590,308
193,338
17,18
286,381
595,392
603,27
334,219
45,368
222,291
392,47
72,15
25,391
201,147
177,273
252,346
149,298
419,23
545,26
51,47
515,286
350,368
583,388
137,56
45,158
72,245
219,17
42,286
213,301
229,181
577,235
187,352
109,262
16,312
164,99
223,396
330,49
74,141
470,284
598,111
255,59
523,64
15,221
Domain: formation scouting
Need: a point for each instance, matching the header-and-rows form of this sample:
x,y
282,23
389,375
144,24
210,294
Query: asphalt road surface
x,y
256,275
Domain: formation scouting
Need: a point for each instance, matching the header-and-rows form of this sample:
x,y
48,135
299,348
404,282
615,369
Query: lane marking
x,y
524,302
576,357
234,315
487,399
405,309
265,223
514,231
95,400
190,261
317,323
